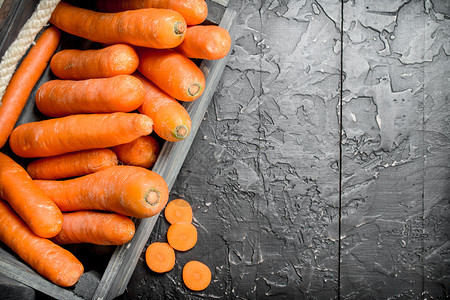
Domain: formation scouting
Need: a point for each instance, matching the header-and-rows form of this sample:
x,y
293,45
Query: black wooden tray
x,y
114,274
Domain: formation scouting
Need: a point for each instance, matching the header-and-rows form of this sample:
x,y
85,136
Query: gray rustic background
x,y
291,205
322,167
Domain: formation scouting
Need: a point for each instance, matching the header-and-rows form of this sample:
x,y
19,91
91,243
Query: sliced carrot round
x,y
182,236
160,257
196,275
177,211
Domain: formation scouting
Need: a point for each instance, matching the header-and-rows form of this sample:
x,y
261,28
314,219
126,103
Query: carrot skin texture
x,y
37,210
59,98
78,132
48,259
194,11
142,152
95,228
73,64
72,164
127,190
205,42
172,121
172,72
24,79
150,27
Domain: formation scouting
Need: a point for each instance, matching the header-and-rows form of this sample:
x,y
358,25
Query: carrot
x,y
173,72
141,152
48,259
72,164
24,79
36,209
172,121
193,11
127,190
160,257
196,275
78,132
150,27
205,42
58,98
182,236
96,228
118,59
177,211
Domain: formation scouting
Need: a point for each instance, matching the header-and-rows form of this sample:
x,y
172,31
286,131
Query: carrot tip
x,y
179,28
181,132
194,89
152,197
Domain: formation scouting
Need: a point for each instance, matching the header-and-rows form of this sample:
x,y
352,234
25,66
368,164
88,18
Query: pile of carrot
x,y
181,236
106,113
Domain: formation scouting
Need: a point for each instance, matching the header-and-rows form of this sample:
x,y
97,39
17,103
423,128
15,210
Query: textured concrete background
x,y
263,173
291,204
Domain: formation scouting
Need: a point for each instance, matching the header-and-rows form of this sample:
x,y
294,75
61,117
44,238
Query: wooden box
x,y
116,263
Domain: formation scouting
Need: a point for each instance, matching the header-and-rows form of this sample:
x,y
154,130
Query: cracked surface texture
x,y
263,173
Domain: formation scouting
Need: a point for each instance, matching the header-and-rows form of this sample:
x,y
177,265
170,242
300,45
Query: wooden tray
x,y
123,260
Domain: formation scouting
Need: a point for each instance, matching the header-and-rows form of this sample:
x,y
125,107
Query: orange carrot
x,y
196,275
177,211
72,164
36,209
58,98
24,79
127,190
96,228
141,152
172,121
182,236
150,27
172,72
48,259
160,257
78,132
205,42
118,59
193,11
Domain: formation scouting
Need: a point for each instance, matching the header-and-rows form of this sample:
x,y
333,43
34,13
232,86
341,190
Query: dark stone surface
x,y
395,218
262,174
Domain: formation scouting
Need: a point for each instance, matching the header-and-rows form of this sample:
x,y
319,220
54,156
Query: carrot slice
x,y
160,257
196,275
178,211
182,236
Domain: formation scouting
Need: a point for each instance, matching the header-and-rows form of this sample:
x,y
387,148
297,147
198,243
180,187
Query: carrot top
x,y
177,211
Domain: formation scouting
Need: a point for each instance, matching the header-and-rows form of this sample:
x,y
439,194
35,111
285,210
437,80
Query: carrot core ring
x,y
179,28
194,89
181,131
152,197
